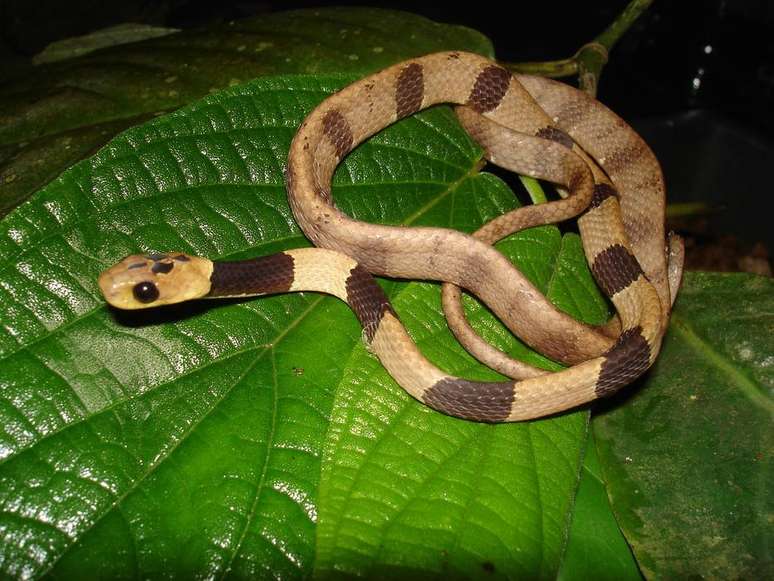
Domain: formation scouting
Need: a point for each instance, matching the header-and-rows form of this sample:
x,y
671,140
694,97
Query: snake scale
x,y
526,124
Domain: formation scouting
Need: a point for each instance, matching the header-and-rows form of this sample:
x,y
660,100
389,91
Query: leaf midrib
x,y
264,469
747,386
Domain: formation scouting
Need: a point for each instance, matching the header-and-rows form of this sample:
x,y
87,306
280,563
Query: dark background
x,y
652,70
695,77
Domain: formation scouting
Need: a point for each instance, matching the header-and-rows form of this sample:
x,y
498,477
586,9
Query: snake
x,y
531,125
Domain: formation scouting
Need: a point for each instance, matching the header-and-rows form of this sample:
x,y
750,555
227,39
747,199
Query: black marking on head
x,y
182,258
136,265
162,267
367,299
557,135
601,193
624,362
489,89
145,292
471,400
262,275
615,268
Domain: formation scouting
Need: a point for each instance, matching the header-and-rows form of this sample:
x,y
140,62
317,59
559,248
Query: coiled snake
x,y
526,124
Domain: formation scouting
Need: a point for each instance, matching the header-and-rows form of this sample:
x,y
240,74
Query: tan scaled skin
x,y
530,105
188,278
327,271
622,233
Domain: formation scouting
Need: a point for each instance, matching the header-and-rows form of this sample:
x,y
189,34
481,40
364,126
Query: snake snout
x,y
140,281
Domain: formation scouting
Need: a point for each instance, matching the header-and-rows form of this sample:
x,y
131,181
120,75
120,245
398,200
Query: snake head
x,y
141,281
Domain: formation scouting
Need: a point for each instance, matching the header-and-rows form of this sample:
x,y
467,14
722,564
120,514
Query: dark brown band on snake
x,y
560,115
620,234
263,275
411,88
615,268
367,300
489,89
336,128
601,193
625,362
555,134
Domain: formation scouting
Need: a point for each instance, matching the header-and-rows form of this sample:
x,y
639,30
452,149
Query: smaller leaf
x,y
688,458
596,547
88,99
111,36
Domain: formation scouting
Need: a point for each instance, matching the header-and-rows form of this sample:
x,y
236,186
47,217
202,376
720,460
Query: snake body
x,y
526,124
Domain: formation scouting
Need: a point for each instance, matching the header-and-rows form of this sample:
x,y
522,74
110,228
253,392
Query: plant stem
x,y
587,63
621,24
591,58
689,209
534,189
552,69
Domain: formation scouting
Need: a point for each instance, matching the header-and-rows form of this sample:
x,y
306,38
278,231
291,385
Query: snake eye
x,y
145,292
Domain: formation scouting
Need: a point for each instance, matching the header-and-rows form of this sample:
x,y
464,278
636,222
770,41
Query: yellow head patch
x,y
142,281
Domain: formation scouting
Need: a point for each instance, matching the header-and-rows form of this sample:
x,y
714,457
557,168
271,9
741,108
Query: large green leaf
x,y
53,115
406,490
189,440
688,459
258,438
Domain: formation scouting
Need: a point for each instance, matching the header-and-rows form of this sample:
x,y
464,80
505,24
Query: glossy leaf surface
x,y
259,438
193,439
688,459
58,113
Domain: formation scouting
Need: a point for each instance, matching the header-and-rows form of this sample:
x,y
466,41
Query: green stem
x,y
534,189
591,58
689,209
553,69
620,25
587,63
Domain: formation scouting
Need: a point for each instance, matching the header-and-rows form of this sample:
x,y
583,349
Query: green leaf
x,y
56,114
405,490
227,438
189,440
688,458
127,33
596,548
